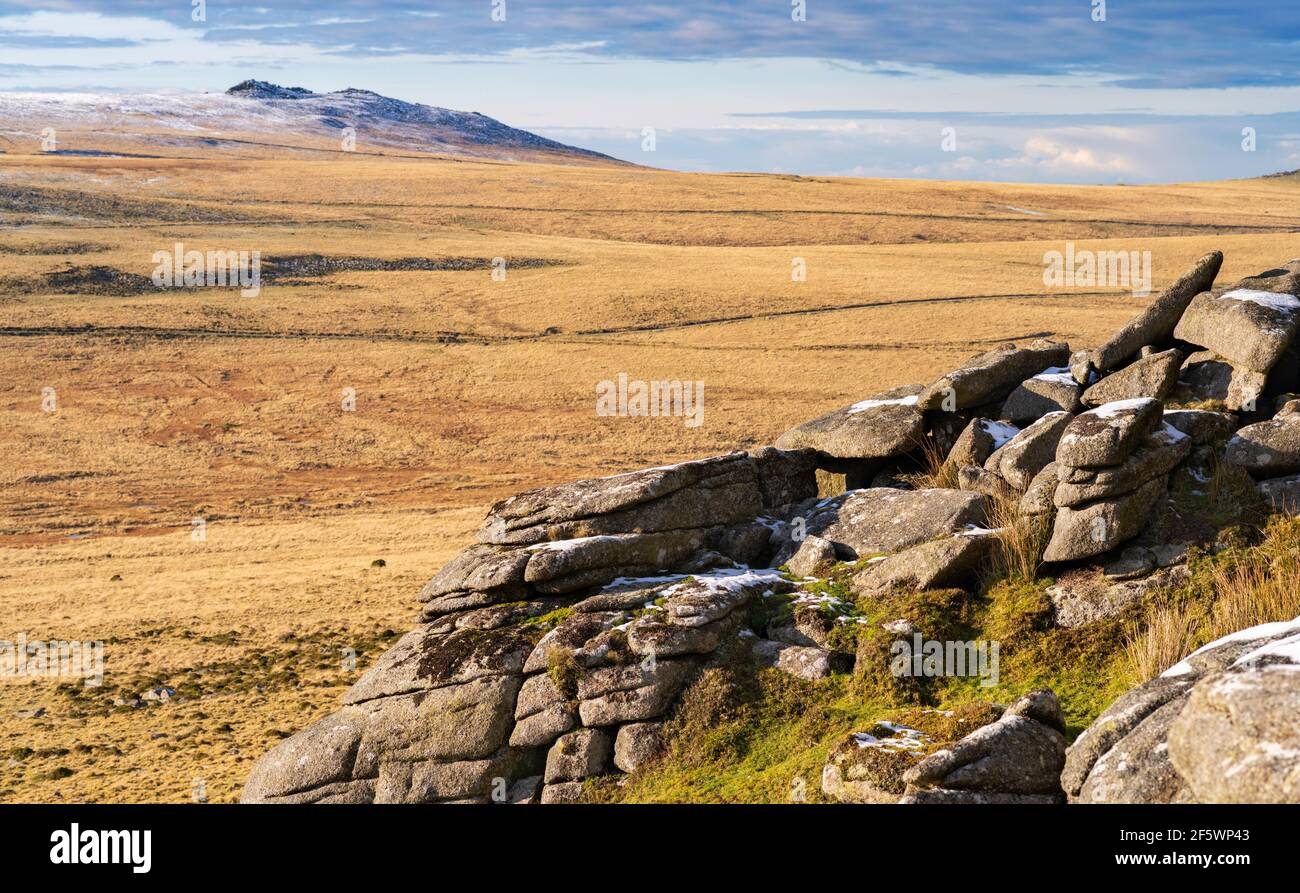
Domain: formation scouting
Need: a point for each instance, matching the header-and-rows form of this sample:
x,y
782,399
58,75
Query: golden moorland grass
x,y
204,403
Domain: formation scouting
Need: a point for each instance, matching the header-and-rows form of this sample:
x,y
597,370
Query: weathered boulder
x,y
1251,324
977,480
569,565
1233,747
1282,494
542,713
637,744
868,522
1202,426
978,440
1106,435
813,555
886,424
991,375
1152,376
1267,449
1238,738
939,564
1022,753
578,755
807,625
811,663
1156,323
1029,452
1095,527
1052,390
1039,496
704,493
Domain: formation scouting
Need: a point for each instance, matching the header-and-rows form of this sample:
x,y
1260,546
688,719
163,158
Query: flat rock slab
x,y
869,522
991,375
883,425
702,493
1108,434
1151,376
1157,322
1250,324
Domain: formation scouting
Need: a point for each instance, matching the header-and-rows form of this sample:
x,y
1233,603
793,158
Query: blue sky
x,y
1034,90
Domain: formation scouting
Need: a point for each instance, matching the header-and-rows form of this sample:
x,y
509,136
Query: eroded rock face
x,y
1232,747
1238,738
702,494
883,425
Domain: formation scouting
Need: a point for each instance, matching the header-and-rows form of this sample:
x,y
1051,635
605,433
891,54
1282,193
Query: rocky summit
x,y
1041,578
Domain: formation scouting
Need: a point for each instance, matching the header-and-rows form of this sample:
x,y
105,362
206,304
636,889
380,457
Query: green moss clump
x,y
563,671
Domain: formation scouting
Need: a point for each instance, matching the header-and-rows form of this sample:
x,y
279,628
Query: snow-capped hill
x,y
257,116
264,90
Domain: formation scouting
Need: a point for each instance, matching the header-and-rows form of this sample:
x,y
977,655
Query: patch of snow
x,y
1117,407
1280,303
1058,374
1288,648
1262,631
1001,432
864,405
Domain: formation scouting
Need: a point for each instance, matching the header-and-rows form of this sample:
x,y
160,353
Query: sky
x,y
1070,91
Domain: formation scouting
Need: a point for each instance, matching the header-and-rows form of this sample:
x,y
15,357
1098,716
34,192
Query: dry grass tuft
x,y
936,470
1242,587
1021,540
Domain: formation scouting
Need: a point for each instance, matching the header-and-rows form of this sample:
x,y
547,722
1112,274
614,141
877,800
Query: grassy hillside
x,y
180,404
